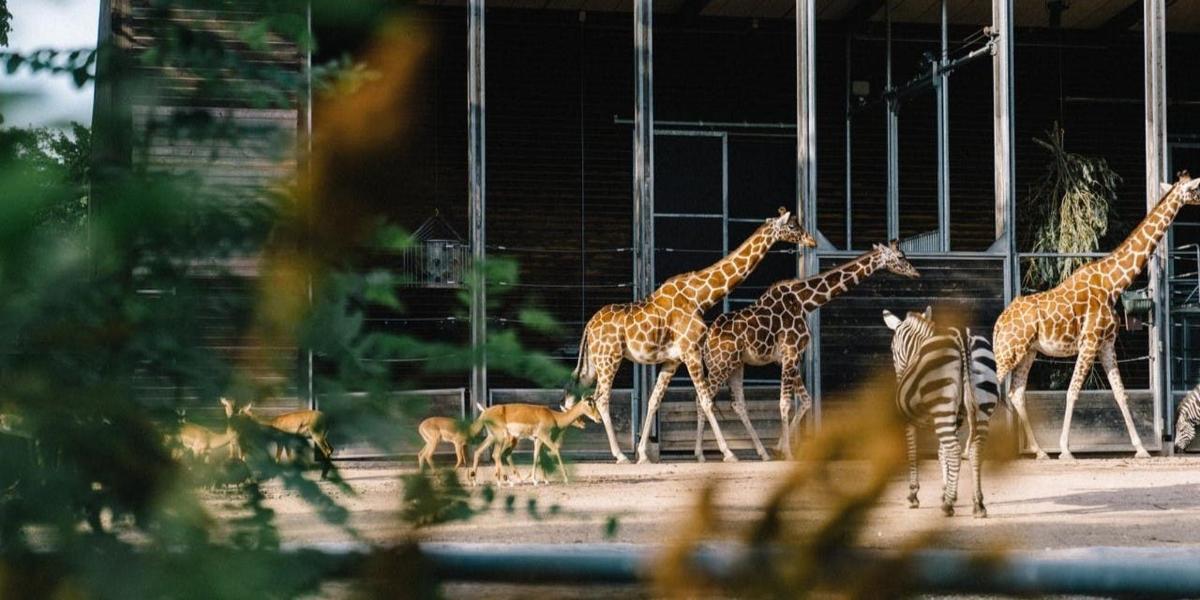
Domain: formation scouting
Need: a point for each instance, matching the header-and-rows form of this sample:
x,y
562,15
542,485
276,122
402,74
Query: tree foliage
x,y
96,305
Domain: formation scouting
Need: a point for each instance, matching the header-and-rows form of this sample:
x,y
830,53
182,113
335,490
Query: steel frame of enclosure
x,y
477,192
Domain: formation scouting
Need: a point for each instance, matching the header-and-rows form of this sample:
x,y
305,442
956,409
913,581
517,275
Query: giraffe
x,y
1077,317
666,328
774,330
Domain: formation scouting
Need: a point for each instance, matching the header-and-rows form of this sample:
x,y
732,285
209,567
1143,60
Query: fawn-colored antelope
x,y
201,441
311,424
438,429
508,423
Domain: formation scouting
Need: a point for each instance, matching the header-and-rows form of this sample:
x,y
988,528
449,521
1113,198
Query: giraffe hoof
x,y
643,459
730,458
1042,455
765,457
1141,453
622,459
1066,455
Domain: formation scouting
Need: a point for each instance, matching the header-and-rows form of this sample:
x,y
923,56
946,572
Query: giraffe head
x,y
1187,188
895,261
786,228
907,335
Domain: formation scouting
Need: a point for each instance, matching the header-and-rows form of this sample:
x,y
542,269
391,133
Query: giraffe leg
x,y
1108,358
805,403
695,369
1020,376
914,479
660,389
787,382
720,364
739,407
1083,364
604,378
698,452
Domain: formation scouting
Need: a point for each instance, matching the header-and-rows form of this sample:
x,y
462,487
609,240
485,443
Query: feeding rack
x,y
438,257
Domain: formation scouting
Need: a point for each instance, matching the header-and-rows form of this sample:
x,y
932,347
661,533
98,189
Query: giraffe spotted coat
x,y
775,330
1077,318
666,328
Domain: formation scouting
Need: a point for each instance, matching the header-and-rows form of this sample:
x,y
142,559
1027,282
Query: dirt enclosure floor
x,y
1032,505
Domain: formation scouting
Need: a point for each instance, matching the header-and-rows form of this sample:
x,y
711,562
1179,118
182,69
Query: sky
x,y
64,24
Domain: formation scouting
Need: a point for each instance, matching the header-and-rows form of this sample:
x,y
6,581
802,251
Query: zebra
x,y
1189,417
944,376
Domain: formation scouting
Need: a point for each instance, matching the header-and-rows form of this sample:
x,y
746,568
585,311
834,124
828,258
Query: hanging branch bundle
x,y
1071,204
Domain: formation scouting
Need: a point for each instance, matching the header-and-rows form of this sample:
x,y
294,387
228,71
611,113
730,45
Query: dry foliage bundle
x,y
1069,209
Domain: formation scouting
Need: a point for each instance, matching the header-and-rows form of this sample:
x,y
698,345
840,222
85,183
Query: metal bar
x,y
892,123
1155,54
943,134
1003,173
849,150
806,176
725,207
309,363
477,213
643,181
711,124
1097,571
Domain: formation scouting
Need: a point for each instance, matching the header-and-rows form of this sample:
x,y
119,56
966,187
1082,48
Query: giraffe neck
x,y
811,293
1127,261
714,282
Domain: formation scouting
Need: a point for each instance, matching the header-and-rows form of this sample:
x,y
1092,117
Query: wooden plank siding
x,y
158,104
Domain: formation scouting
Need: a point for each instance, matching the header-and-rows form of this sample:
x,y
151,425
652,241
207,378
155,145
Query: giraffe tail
x,y
582,375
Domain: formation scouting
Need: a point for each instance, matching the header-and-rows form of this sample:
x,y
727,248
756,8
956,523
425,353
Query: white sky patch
x,y
53,100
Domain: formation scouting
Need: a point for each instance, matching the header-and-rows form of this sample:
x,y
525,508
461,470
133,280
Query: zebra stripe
x,y
1189,417
945,377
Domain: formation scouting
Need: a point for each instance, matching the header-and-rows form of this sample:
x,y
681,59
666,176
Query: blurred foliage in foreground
x,y
93,304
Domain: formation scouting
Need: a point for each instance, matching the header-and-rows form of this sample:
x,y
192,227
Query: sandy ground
x,y
1032,505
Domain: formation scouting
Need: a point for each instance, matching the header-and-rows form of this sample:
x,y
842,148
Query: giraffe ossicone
x,y
1078,318
666,328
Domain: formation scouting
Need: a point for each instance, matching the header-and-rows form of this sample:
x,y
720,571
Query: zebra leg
x,y
914,480
1108,358
975,447
953,460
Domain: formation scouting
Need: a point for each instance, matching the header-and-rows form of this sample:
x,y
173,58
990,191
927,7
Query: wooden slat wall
x,y
261,155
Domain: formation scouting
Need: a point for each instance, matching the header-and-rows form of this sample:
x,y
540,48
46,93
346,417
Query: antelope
x,y
438,429
508,423
311,424
202,440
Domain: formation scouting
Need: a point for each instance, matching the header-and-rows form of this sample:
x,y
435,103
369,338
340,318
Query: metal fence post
x,y
643,182
476,159
1154,28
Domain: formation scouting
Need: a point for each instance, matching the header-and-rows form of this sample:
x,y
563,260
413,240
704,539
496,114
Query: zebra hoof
x,y
980,512
1066,455
913,502
1141,453
948,510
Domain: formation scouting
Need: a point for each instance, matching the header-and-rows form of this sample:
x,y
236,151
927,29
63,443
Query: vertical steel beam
x,y
941,81
1154,28
477,212
849,154
1002,126
806,176
643,178
309,371
893,137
